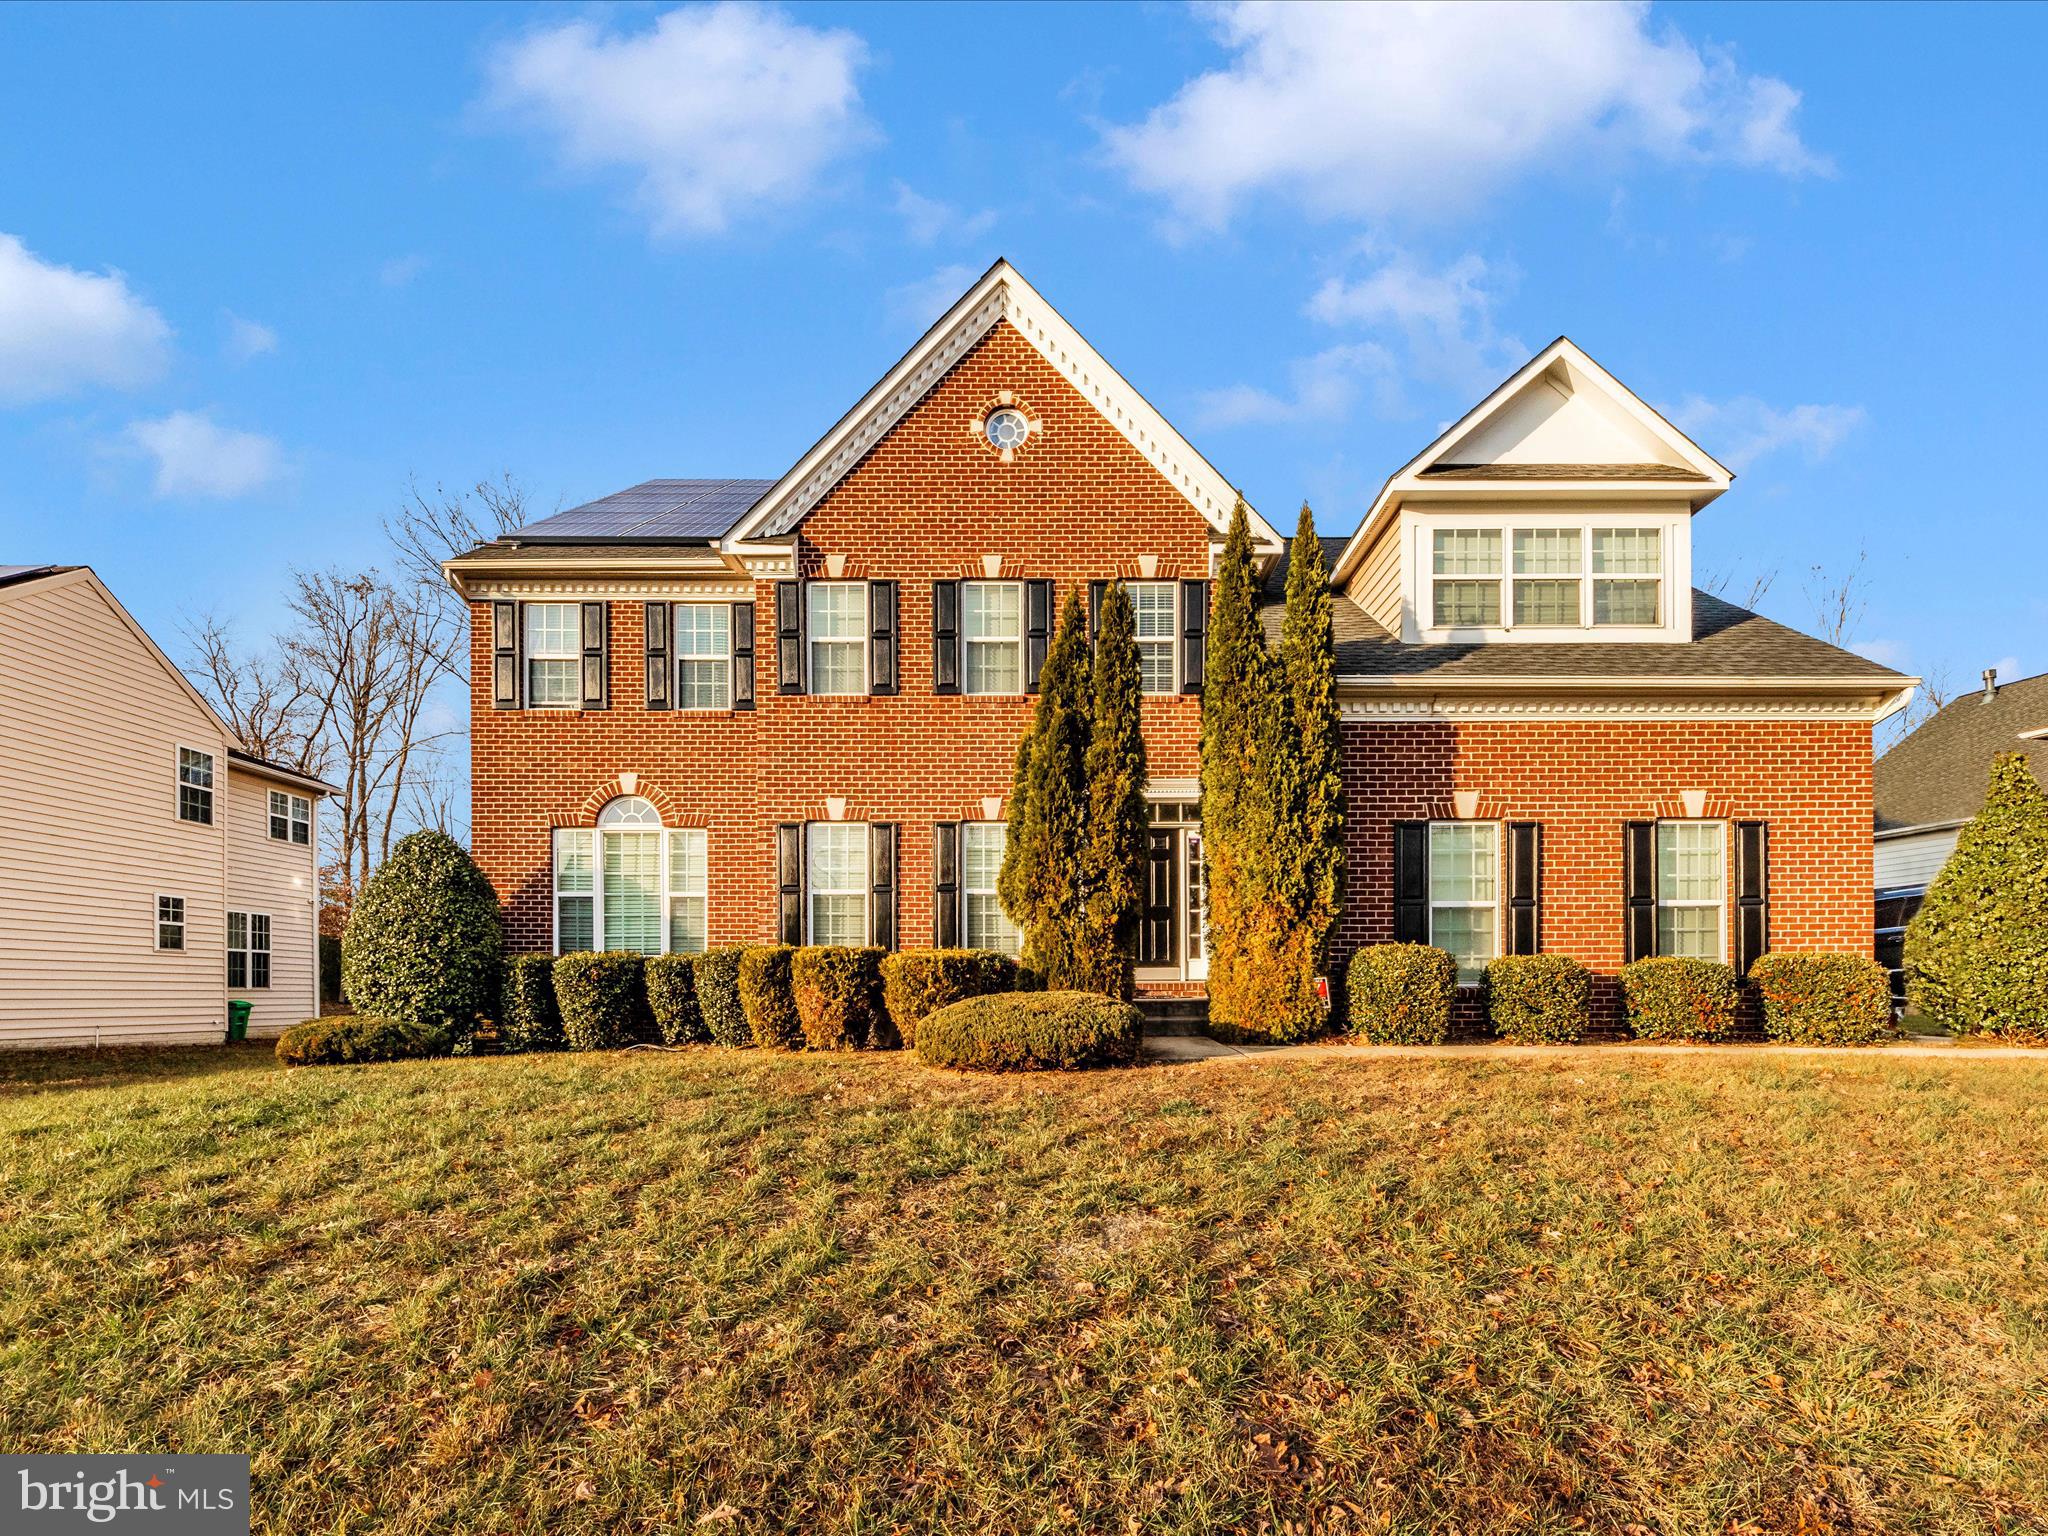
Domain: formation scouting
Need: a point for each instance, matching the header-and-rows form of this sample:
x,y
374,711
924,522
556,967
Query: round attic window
x,y
1007,428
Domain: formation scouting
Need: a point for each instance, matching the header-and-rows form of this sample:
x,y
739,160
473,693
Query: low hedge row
x,y
1824,999
839,997
917,982
1030,1032
349,1037
1676,998
603,999
1401,994
1538,999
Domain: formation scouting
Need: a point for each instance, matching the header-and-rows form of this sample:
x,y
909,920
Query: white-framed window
x,y
1152,605
170,922
992,631
291,818
1465,586
248,951
629,883
195,786
984,923
703,641
1464,894
554,655
1570,576
1692,875
837,882
1628,569
1548,565
838,629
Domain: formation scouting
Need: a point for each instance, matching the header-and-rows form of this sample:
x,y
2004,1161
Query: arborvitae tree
x,y
1977,950
1113,862
1040,884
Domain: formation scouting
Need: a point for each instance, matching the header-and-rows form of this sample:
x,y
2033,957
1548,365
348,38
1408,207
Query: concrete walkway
x,y
1176,1049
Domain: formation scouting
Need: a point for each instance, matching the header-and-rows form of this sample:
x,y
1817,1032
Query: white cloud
x,y
715,112
921,302
1738,432
399,271
62,330
1370,111
1443,317
196,457
1325,386
247,339
2008,669
1886,653
926,219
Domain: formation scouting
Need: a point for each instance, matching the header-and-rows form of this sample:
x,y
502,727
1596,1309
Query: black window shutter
x,y
882,876
1411,882
1752,893
1037,630
1639,886
1097,591
789,637
946,884
505,655
881,637
596,681
945,637
1155,928
742,655
789,881
657,655
1194,634
1525,888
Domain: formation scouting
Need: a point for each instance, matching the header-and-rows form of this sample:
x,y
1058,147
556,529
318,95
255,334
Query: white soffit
x,y
999,294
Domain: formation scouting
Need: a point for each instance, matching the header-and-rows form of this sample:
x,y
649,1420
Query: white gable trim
x,y
1000,294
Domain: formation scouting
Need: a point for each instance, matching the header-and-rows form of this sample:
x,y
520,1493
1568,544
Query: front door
x,y
1172,934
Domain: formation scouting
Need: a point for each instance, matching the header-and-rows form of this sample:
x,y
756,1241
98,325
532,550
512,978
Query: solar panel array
x,y
652,510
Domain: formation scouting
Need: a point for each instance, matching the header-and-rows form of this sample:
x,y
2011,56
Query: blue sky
x,y
260,266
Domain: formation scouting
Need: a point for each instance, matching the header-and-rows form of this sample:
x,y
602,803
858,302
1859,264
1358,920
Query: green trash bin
x,y
238,1019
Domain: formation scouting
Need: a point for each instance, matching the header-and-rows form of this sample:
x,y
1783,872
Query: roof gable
x,y
1937,776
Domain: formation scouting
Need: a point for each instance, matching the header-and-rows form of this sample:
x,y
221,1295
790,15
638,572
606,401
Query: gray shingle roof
x,y
14,573
1559,472
682,511
1939,773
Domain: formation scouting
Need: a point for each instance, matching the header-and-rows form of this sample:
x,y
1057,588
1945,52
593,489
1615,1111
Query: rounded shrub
x,y
603,998
424,943
1030,1032
1401,994
1672,997
350,1037
838,992
1538,999
915,982
672,998
1824,999
527,1017
717,974
768,994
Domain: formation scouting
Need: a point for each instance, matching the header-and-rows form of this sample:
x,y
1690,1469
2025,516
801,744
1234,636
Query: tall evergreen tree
x,y
1113,862
1040,882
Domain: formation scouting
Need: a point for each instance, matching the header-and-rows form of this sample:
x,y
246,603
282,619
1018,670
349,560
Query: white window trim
x,y
1674,580
249,950
967,643
865,890
1718,903
1173,621
178,785
680,656
293,803
1016,934
528,656
669,895
1499,902
156,924
595,895
812,640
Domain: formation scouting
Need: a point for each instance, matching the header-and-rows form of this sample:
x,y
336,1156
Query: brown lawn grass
x,y
716,1291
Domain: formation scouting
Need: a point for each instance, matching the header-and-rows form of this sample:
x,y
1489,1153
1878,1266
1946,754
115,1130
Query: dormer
x,y
1558,508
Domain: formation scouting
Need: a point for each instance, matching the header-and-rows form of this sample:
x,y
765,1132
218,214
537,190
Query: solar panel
x,y
652,510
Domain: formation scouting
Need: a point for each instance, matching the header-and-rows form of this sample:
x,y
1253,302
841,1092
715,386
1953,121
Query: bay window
x,y
838,627
1464,894
992,631
837,883
1691,894
554,655
1152,605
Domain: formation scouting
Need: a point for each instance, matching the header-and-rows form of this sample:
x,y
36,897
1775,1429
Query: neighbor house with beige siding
x,y
150,870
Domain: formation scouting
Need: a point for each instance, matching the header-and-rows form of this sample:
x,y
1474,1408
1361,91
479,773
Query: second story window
x,y
291,818
1465,565
703,639
554,655
1152,605
992,629
838,628
195,786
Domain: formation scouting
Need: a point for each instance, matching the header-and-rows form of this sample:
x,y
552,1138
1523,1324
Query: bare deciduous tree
x,y
1935,692
429,530
272,707
1720,582
1839,602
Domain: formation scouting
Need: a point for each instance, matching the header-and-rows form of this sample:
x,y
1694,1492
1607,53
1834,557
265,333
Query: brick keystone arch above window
x,y
663,800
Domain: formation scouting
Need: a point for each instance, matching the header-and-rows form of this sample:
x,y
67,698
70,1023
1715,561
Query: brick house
x,y
716,711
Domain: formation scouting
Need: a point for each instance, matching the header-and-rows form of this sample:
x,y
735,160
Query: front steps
x,y
1174,1015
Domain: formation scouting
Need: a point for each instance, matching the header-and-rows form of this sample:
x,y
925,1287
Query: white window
x,y
195,785
1547,577
703,637
1691,869
839,636
1007,429
837,852
1152,604
1627,563
170,922
992,627
689,887
1465,564
291,818
248,950
985,925
1561,578
554,655
575,891
1464,894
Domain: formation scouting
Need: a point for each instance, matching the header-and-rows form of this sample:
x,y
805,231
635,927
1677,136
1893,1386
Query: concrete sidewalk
x,y
1177,1049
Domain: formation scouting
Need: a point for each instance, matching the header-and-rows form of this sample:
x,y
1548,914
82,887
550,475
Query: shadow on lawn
x,y
117,1066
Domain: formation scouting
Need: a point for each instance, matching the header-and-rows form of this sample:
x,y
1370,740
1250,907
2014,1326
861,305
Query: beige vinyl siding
x,y
1376,584
277,878
90,724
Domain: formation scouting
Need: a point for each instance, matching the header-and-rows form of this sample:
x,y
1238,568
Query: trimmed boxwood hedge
x,y
1401,994
672,998
424,942
717,974
603,999
838,991
1029,1032
527,1017
350,1037
915,982
1538,999
768,994
1672,997
1824,999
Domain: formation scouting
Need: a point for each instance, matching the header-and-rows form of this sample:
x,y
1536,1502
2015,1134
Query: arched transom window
x,y
629,883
